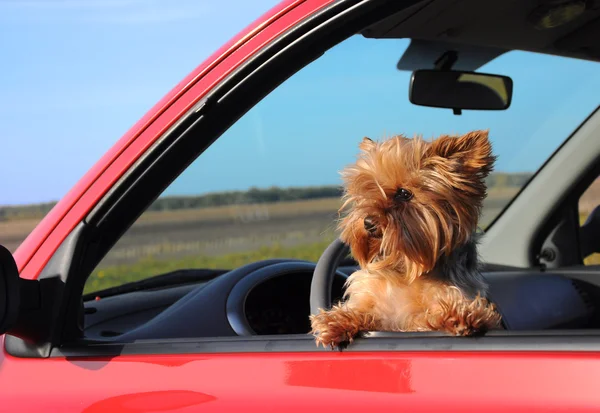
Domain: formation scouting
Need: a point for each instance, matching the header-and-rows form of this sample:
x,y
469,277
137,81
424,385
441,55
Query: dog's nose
x,y
370,225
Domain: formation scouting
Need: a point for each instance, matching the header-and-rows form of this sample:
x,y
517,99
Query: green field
x,y
300,229
112,276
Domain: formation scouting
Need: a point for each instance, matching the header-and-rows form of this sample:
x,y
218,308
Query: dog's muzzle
x,y
371,226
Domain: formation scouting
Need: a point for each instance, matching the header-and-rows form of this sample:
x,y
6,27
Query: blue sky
x,y
77,74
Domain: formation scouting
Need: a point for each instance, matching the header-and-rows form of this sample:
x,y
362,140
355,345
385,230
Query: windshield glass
x,y
269,187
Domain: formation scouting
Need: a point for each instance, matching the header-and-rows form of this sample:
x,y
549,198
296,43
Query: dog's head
x,y
408,201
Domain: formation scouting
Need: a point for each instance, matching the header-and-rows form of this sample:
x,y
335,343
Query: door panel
x,y
426,382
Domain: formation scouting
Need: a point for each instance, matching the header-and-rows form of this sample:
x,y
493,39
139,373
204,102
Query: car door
x,y
64,370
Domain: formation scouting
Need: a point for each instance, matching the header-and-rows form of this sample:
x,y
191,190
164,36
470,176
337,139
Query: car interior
x,y
533,252
272,297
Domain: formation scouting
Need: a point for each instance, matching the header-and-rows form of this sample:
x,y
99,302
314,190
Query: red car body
x,y
427,381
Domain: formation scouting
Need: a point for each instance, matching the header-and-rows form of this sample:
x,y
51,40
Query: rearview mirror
x,y
459,90
10,295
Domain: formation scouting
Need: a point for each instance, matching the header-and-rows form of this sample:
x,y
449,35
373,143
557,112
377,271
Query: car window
x,y
269,187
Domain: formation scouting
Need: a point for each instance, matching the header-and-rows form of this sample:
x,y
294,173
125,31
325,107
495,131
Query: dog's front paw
x,y
336,328
466,318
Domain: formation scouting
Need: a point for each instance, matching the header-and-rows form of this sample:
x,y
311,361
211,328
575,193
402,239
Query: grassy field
x,y
229,237
224,237
116,275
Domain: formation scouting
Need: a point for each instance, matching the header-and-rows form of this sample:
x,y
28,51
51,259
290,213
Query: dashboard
x,y
280,305
272,298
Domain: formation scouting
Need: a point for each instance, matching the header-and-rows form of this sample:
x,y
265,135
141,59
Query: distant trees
x,y
251,196
25,211
504,180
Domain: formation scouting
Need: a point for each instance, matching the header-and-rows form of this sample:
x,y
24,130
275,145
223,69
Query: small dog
x,y
411,225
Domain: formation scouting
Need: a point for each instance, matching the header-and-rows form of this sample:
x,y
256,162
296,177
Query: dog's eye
x,y
403,195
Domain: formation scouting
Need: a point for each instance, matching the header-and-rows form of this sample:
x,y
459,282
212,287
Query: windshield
x,y
269,186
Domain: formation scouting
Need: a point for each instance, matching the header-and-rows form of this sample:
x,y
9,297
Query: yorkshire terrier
x,y
413,207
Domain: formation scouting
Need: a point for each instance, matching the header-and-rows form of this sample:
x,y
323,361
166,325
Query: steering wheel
x,y
320,287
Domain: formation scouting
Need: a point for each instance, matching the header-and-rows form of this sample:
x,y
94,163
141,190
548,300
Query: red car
x,y
135,295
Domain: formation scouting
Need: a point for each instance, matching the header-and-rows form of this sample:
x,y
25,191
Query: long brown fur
x,y
409,205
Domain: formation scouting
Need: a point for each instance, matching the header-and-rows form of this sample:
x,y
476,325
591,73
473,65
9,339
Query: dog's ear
x,y
473,151
366,144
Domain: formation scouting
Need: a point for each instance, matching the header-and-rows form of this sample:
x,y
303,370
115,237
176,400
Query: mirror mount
x,y
26,306
36,311
10,292
446,62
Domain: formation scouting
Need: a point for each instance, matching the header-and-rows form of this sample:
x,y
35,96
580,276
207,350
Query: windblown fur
x,y
411,212
462,268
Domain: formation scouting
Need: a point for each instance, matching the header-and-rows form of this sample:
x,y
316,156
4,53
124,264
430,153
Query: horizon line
x,y
192,195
